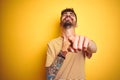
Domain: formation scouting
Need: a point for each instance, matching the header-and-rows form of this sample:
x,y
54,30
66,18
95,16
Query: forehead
x,y
68,12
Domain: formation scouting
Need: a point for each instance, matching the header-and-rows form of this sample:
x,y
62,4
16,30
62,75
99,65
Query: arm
x,y
53,69
55,66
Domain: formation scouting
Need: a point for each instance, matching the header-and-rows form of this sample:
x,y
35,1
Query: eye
x,y
72,14
65,14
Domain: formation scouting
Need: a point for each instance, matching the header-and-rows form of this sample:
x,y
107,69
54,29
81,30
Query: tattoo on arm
x,y
55,66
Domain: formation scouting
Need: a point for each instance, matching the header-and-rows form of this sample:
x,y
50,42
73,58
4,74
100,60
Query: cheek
x,y
74,19
63,18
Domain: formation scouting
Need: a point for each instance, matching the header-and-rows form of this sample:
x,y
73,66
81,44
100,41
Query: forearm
x,y
55,66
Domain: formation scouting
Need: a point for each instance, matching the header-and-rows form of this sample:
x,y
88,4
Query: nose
x,y
68,15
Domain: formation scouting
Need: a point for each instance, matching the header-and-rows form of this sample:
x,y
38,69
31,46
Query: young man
x,y
66,54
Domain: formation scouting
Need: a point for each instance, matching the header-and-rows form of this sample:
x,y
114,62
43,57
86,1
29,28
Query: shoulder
x,y
55,41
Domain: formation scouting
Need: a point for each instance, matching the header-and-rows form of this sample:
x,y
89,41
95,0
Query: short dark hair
x,y
69,10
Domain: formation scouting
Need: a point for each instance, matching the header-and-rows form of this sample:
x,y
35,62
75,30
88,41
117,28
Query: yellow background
x,y
28,25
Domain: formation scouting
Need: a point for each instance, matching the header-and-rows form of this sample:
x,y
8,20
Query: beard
x,y
67,24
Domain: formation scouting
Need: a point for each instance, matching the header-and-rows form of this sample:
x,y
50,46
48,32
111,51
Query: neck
x,y
68,32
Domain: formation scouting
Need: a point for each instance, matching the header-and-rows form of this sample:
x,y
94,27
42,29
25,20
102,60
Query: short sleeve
x,y
50,55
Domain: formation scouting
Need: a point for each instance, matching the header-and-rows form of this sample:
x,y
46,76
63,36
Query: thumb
x,y
64,38
71,38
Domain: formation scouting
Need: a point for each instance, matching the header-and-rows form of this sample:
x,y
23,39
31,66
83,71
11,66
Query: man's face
x,y
68,20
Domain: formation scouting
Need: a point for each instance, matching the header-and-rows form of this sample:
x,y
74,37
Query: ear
x,y
61,20
60,23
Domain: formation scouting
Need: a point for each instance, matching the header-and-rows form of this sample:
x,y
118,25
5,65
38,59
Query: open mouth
x,y
68,18
67,24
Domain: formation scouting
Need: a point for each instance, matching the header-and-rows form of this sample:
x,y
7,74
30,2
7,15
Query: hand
x,y
83,43
79,42
65,44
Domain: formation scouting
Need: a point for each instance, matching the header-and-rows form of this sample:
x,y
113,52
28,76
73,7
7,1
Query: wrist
x,y
63,52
